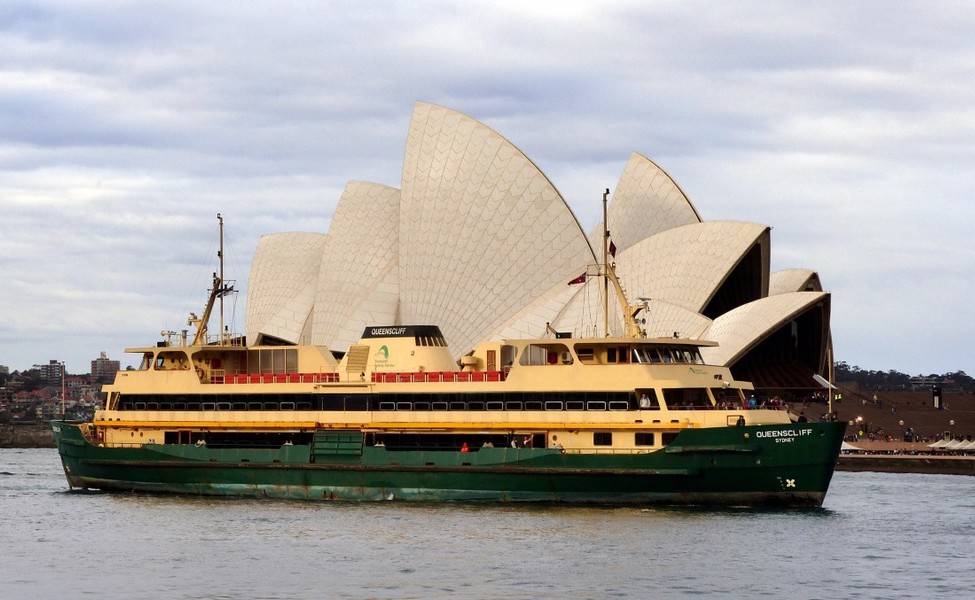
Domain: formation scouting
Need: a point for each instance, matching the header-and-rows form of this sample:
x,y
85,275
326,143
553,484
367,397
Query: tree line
x,y
956,380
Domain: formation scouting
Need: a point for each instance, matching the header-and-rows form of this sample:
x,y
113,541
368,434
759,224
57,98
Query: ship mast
x,y
630,311
605,264
219,290
220,338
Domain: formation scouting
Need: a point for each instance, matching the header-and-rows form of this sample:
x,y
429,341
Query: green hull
x,y
782,465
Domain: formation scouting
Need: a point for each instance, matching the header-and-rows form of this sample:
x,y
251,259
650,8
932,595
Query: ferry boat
x,y
616,420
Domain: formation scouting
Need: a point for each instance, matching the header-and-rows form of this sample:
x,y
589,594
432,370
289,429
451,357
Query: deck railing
x,y
332,377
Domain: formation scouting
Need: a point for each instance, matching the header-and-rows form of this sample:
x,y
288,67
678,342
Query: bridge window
x,y
617,355
586,354
273,360
546,354
171,360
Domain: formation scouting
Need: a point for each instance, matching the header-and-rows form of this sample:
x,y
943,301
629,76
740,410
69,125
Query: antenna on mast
x,y
605,265
220,338
218,291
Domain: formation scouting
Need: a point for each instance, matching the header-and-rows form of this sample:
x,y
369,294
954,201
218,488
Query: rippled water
x,y
877,536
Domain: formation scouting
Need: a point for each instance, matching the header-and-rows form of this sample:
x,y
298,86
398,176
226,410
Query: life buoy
x,y
201,373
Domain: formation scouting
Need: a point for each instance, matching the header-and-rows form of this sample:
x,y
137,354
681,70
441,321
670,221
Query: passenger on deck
x,y
465,448
644,401
752,402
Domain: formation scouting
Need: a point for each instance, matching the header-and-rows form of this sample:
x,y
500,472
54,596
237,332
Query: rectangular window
x,y
726,398
687,398
585,354
602,438
668,438
644,439
647,400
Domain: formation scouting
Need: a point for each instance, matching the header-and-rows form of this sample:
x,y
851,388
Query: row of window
x,y
399,441
558,353
514,401
430,340
605,438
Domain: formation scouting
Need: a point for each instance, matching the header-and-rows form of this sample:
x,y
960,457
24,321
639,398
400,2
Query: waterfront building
x,y
103,369
52,372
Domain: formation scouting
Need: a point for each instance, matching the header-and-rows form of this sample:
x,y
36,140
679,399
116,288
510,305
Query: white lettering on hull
x,y
783,436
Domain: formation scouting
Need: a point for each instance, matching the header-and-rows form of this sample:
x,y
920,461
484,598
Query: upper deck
x,y
411,368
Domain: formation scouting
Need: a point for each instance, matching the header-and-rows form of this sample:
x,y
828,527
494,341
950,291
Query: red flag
x,y
579,279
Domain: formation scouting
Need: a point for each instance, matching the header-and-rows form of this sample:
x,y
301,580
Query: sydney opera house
x,y
477,240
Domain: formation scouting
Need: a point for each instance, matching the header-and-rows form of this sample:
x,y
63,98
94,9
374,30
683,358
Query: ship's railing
x,y
242,378
103,444
438,376
218,377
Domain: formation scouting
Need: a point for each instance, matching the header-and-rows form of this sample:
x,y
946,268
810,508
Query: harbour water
x,y
878,535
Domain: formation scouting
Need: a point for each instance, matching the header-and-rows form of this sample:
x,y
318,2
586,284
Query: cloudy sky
x,y
125,127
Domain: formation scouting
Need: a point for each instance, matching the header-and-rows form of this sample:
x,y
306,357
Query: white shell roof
x,y
664,319
646,202
281,288
738,330
479,242
483,232
530,322
687,264
358,283
794,280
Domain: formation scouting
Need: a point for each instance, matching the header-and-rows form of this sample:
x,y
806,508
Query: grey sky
x,y
849,127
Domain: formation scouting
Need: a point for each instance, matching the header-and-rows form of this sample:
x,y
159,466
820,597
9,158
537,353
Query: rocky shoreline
x,y
26,435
